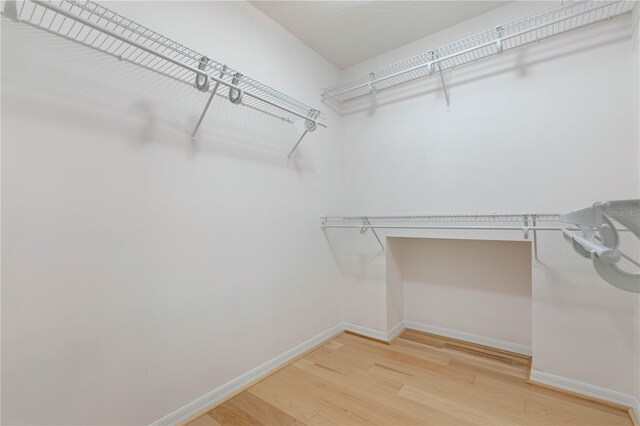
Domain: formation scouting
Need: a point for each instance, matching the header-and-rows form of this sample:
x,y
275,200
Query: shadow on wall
x,y
569,284
481,265
519,61
99,93
357,255
480,287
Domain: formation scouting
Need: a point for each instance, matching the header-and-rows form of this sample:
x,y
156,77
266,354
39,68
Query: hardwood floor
x,y
419,379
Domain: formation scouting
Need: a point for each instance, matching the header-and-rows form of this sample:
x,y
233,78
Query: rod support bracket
x,y
235,95
372,83
11,10
311,124
499,43
203,81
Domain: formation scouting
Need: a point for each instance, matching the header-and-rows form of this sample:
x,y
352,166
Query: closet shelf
x,y
97,27
598,227
543,24
519,221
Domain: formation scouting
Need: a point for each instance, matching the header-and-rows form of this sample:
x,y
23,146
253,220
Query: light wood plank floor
x,y
420,379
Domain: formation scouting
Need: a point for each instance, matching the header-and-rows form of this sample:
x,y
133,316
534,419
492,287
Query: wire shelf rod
x,y
543,24
138,45
92,25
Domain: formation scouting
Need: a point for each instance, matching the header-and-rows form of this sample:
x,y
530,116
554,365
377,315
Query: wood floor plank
x,y
381,355
473,395
262,411
556,413
320,420
405,411
205,420
228,414
461,408
295,407
360,375
545,396
339,396
313,395
402,346
419,379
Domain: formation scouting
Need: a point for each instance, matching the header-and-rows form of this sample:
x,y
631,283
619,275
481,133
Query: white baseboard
x,y
395,331
365,331
636,408
584,389
222,392
473,338
389,336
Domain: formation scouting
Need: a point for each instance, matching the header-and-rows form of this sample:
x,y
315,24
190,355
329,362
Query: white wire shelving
x,y
516,221
546,23
527,223
95,26
524,222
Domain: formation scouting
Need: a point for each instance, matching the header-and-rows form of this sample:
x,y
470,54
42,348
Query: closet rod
x,y
167,58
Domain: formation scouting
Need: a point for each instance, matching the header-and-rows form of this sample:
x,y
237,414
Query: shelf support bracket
x,y
11,10
372,83
534,238
432,70
367,225
444,86
309,126
206,107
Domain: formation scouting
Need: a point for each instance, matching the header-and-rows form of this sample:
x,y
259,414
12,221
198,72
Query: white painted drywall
x,y
140,272
395,283
470,286
550,127
636,89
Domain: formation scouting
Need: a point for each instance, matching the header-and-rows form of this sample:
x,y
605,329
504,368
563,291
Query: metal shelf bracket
x,y
310,125
206,107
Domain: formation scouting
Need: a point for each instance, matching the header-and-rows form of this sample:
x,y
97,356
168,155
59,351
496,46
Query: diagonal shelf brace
x,y
310,125
206,107
366,224
444,86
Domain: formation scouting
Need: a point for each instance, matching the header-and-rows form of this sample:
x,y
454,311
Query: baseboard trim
x,y
219,395
473,338
596,393
634,413
372,334
395,332
237,385
366,332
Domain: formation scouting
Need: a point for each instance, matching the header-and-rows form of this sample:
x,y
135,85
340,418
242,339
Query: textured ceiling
x,y
349,32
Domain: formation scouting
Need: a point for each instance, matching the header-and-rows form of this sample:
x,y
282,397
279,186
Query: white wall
x,y
550,127
471,286
636,89
140,272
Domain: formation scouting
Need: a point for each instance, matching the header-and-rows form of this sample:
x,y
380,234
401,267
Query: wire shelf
x,y
538,26
515,221
97,27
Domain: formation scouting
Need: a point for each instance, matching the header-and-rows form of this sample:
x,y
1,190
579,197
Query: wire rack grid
x,y
95,26
515,220
546,23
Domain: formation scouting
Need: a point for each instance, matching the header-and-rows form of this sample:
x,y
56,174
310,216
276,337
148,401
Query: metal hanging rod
x,y
95,26
543,24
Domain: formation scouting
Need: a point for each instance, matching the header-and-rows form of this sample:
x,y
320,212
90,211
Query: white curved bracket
x,y
600,241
